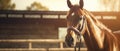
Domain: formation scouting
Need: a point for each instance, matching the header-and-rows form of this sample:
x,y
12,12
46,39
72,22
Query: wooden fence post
x,y
30,45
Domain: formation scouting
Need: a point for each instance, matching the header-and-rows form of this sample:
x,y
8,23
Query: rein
x,y
78,33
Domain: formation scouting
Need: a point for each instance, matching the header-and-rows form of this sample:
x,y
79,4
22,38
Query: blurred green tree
x,y
7,5
37,6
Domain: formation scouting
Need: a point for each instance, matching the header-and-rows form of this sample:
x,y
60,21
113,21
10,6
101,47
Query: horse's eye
x,y
80,18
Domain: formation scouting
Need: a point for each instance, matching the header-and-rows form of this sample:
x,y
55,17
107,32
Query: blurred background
x,y
55,5
41,23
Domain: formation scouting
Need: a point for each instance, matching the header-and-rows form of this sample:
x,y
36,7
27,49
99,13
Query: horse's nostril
x,y
71,39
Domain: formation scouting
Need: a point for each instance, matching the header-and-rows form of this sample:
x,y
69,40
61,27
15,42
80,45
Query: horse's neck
x,y
98,37
94,33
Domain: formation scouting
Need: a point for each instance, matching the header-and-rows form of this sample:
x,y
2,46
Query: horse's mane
x,y
96,21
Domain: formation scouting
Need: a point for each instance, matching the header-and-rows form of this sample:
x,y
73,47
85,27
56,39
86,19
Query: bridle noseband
x,y
78,32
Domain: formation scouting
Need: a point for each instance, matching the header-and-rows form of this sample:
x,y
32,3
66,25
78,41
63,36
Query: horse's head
x,y
74,19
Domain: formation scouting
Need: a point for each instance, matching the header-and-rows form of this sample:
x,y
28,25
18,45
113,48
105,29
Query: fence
x,y
30,41
48,14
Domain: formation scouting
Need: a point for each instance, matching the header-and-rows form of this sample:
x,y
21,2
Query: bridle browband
x,y
78,32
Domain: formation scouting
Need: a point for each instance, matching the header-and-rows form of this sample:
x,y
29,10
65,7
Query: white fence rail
x,y
30,41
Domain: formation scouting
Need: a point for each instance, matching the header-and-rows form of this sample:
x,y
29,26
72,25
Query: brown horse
x,y
96,35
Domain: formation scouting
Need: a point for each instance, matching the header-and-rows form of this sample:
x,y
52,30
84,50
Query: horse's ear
x,y
81,4
69,4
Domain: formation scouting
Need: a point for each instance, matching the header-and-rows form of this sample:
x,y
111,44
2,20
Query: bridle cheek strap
x,y
77,31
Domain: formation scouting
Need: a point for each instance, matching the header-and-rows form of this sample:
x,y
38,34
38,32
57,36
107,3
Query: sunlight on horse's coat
x,y
97,32
114,47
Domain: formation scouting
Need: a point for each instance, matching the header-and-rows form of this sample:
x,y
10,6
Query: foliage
x,y
6,5
37,6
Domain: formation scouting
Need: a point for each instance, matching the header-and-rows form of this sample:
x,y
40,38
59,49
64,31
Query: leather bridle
x,y
78,32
